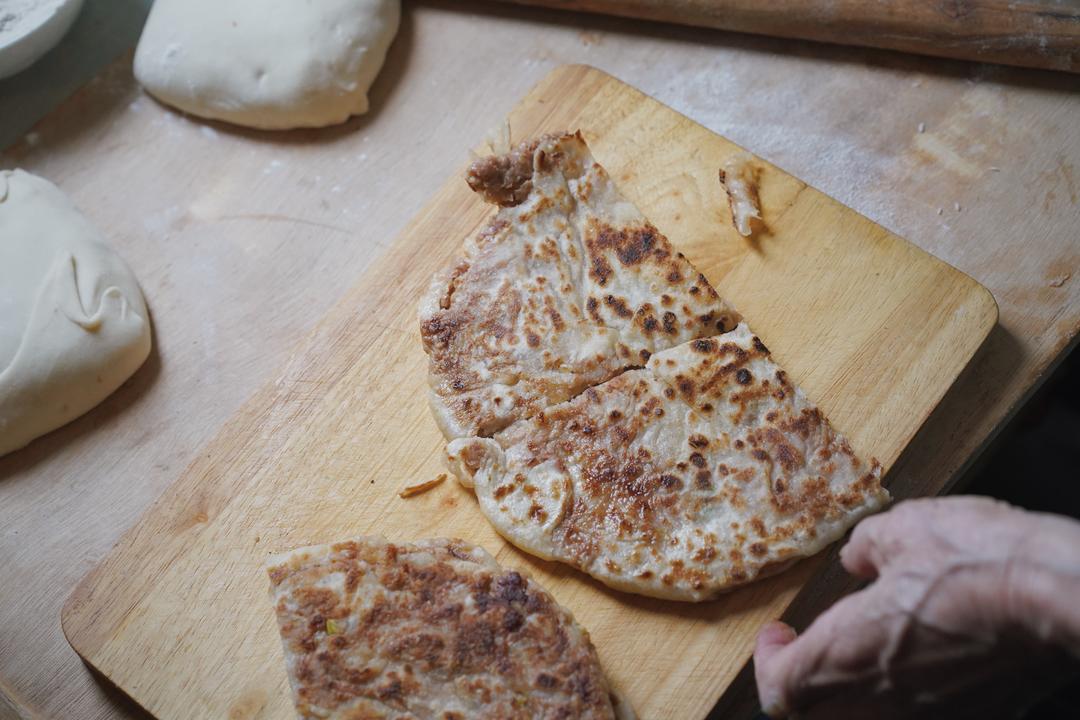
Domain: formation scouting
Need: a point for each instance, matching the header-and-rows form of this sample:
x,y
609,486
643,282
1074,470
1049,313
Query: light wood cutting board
x,y
874,329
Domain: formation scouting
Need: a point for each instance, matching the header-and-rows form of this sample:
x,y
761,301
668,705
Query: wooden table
x,y
976,164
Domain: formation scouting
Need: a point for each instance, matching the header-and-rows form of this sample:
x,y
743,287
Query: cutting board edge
x,y
90,583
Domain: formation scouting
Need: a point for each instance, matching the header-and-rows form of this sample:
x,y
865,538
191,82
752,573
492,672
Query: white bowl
x,y
21,49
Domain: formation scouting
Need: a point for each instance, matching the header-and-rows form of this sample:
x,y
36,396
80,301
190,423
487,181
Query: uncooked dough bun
x,y
270,64
73,324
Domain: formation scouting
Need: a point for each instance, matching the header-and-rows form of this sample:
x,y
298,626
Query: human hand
x,y
975,607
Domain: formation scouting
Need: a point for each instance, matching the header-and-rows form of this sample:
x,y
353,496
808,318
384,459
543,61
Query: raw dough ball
x,y
73,324
271,64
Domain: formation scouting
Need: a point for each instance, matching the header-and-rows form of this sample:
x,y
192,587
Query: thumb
x,y
771,639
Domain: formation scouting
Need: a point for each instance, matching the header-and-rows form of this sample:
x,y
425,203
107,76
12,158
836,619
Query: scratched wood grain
x,y
873,328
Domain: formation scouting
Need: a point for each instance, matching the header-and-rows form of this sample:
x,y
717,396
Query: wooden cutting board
x,y
873,328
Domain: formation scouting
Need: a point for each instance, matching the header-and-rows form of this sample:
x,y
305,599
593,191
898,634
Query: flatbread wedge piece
x,y
702,471
567,286
433,629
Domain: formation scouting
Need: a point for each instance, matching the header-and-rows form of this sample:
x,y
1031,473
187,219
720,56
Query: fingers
x,y
772,637
881,539
836,654
862,556
920,528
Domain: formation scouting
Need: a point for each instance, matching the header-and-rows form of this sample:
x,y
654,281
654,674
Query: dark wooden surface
x,y
1037,34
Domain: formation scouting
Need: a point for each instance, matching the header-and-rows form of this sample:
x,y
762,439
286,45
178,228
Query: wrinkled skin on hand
x,y
974,609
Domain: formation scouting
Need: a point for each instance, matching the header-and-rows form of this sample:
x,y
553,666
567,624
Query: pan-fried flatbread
x,y
433,630
700,472
567,286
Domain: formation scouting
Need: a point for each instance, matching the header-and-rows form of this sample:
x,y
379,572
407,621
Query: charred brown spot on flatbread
x,y
619,306
698,441
593,307
630,245
600,270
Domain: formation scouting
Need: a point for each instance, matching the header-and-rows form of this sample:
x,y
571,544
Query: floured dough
x,y
271,64
73,324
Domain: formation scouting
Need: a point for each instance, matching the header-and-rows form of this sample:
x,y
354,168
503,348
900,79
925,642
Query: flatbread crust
x,y
702,471
435,629
566,287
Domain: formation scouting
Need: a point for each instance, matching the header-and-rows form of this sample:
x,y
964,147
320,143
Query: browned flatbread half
x,y
702,471
567,286
434,629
